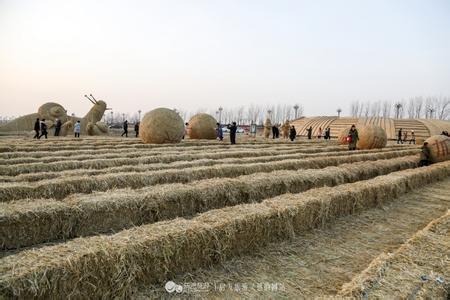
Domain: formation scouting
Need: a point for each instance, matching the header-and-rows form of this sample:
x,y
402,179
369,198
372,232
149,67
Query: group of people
x,y
41,128
402,137
125,128
326,135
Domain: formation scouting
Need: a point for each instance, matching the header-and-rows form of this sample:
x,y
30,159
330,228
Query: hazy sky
x,y
190,54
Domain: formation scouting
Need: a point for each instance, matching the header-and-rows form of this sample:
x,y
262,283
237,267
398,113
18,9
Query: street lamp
x,y
339,110
269,112
112,118
296,107
220,114
139,112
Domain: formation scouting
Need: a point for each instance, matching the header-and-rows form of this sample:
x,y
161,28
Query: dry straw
x,y
400,273
281,155
62,187
29,222
112,266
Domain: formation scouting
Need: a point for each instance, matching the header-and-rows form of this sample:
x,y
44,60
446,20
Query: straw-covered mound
x,y
161,125
371,136
202,126
439,146
267,128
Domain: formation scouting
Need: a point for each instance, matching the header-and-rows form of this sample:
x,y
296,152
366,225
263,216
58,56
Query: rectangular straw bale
x,y
399,273
82,215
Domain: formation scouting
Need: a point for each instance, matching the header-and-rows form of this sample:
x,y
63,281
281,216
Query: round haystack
x,y
202,126
161,125
267,128
342,137
439,146
371,136
52,111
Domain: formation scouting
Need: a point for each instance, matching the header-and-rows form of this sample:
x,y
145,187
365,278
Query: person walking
x,y
186,125
233,129
37,128
292,133
405,136
352,138
274,131
328,133
320,133
413,138
125,128
424,155
219,132
77,128
43,129
309,132
399,137
136,128
277,131
58,127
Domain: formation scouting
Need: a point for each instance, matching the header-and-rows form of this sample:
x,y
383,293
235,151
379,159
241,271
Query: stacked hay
x,y
267,128
371,136
202,126
160,126
439,146
285,129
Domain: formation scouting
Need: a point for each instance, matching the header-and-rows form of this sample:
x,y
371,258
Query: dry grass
x,y
29,222
111,266
37,176
62,187
399,273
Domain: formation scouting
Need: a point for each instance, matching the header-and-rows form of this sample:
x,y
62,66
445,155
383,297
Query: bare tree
x,y
354,109
443,108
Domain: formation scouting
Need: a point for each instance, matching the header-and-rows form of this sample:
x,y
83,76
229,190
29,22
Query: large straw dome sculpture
x,y
160,126
202,126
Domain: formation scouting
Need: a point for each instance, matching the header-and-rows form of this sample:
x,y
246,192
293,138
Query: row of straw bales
x,y
62,187
28,222
425,254
38,176
112,266
107,163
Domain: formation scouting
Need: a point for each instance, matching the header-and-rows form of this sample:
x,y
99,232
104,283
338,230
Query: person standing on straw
x,y
125,128
309,132
43,129
37,128
292,133
424,155
58,127
413,138
399,137
352,138
77,129
136,128
219,132
233,129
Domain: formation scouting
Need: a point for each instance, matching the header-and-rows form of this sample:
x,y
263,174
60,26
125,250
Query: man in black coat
x,y
125,128
58,127
37,127
43,129
309,133
136,128
233,129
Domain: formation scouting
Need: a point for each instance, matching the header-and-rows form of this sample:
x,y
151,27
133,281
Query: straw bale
x,y
82,215
160,126
424,254
202,126
112,266
371,136
61,187
439,146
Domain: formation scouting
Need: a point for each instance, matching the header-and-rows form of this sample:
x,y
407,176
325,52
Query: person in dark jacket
x,y
274,131
353,136
277,132
399,137
292,133
136,128
58,127
233,129
125,128
424,155
309,132
43,129
37,128
219,132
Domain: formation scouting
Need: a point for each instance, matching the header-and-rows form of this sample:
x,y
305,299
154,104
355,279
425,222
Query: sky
x,y
194,54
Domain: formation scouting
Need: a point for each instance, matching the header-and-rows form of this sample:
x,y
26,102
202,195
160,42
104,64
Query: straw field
x,y
115,218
